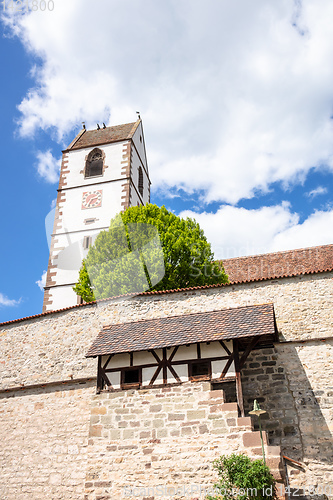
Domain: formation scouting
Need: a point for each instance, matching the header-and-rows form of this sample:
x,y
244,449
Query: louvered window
x,y
94,164
140,181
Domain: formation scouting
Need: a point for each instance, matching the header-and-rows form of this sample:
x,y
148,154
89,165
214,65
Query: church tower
x,y
103,172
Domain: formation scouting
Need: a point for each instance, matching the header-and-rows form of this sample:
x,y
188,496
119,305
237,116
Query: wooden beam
x,y
164,363
174,373
102,376
173,354
247,351
224,347
154,377
155,355
227,366
174,363
99,375
239,390
107,361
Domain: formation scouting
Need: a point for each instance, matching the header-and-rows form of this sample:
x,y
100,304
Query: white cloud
x,y
53,203
316,192
234,96
317,229
5,301
42,282
48,167
236,232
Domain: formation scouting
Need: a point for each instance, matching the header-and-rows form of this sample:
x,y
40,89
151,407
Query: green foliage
x,y
241,478
128,257
83,286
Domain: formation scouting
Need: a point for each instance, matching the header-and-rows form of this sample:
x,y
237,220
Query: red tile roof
x,y
280,264
263,267
106,135
226,324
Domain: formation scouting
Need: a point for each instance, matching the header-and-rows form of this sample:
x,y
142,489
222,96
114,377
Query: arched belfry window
x,y
140,181
94,163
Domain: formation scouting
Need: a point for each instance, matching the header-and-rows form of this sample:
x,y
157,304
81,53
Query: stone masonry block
x,y
195,414
158,423
162,433
106,420
145,434
176,416
98,410
115,434
279,478
155,408
273,462
216,394
147,451
220,430
273,451
252,439
216,408
203,429
128,434
245,422
230,407
220,423
256,452
95,430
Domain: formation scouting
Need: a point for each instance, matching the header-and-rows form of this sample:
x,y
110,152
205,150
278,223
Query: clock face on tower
x,y
92,199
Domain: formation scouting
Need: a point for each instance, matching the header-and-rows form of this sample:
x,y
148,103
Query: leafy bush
x,y
241,478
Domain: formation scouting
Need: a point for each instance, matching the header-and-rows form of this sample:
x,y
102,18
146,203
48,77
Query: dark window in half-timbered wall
x,y
199,369
131,377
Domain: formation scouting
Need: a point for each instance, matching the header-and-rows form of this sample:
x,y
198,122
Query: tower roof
x,y
107,135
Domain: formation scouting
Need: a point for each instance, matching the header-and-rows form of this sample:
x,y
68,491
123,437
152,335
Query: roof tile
x,y
104,136
208,326
305,261
280,264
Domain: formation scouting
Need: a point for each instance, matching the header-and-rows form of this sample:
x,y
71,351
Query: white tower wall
x,y
86,203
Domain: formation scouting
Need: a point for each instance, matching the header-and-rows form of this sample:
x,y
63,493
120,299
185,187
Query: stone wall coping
x,y
163,292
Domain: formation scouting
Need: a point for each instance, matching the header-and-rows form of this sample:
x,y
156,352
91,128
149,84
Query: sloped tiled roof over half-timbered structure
x,y
210,345
226,324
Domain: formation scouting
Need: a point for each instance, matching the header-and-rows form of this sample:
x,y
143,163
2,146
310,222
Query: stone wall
x,y
147,442
44,438
52,347
293,382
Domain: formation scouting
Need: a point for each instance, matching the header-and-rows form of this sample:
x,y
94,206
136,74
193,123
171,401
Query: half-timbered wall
x,y
199,361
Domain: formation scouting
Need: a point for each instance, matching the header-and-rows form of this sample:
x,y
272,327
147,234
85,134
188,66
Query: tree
x,y
83,286
148,247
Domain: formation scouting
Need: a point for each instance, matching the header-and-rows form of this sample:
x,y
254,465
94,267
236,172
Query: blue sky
x,y
236,102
